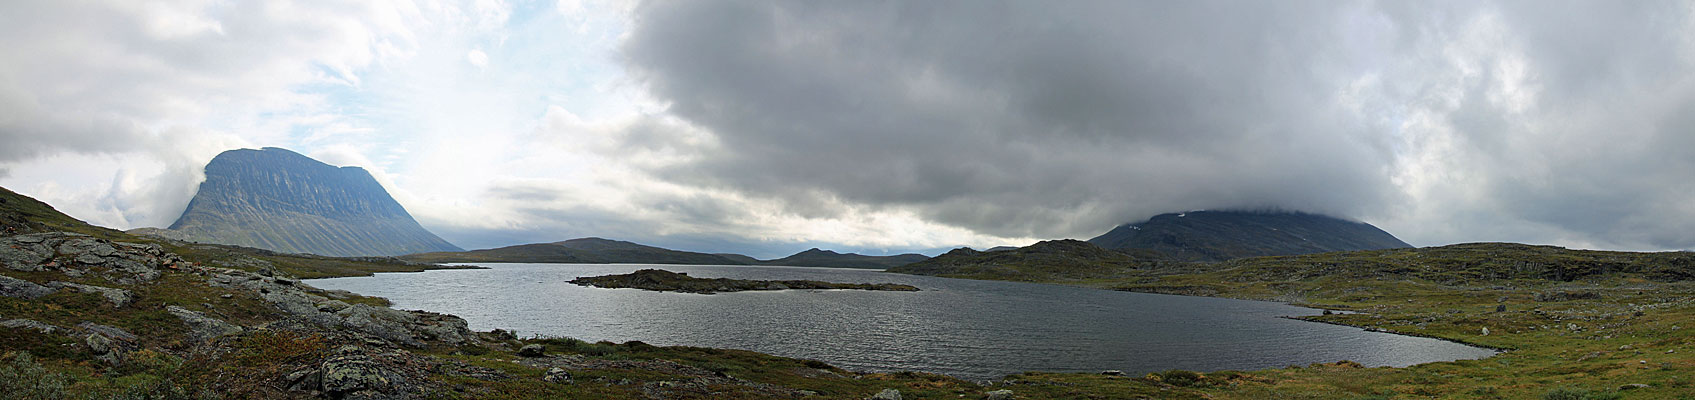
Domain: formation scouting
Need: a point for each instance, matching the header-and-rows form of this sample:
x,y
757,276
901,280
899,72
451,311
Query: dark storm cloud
x,y
1560,122
1023,118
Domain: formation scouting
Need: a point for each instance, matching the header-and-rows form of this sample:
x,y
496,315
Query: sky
x,y
766,128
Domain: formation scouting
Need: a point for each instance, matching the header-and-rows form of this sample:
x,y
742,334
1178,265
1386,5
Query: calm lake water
x,y
965,328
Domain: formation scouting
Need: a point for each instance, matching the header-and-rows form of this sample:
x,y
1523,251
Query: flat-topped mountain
x,y
279,200
825,258
1224,235
580,251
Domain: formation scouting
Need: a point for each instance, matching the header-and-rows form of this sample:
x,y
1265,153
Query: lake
x,y
965,328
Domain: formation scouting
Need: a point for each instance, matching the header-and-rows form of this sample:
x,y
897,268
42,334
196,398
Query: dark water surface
x,y
966,328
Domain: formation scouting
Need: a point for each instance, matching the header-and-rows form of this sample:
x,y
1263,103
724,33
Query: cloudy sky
x,y
770,127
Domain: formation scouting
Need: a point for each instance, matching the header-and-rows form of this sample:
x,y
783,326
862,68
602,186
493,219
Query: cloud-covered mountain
x,y
1224,235
279,200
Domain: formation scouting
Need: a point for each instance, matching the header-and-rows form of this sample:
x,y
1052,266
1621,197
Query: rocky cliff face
x,y
1224,235
279,200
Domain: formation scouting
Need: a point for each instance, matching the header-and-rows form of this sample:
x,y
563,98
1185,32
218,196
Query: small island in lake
x,y
667,281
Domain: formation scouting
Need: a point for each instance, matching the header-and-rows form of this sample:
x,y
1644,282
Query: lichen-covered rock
x,y
557,375
104,349
19,288
332,306
24,252
887,394
29,324
111,332
118,297
201,327
351,370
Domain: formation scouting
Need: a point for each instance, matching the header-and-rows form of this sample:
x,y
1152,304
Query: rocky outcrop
x,y
19,288
118,297
77,255
201,327
409,328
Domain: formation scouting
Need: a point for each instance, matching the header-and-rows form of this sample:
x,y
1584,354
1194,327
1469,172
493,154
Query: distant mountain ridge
x,y
590,250
279,200
593,250
825,258
1044,261
1225,235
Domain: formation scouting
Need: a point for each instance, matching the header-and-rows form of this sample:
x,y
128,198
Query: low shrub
x,y
1178,377
1569,393
22,378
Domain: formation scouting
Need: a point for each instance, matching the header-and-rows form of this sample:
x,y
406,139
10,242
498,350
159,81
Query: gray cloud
x,y
1018,119
1529,121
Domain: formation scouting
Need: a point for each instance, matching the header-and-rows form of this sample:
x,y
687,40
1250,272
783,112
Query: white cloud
x,y
477,58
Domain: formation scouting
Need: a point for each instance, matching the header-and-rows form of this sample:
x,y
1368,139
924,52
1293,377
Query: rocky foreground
x,y
667,281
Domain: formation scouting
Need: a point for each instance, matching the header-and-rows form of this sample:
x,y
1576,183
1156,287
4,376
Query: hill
x,y
279,200
1053,260
1224,235
579,251
826,258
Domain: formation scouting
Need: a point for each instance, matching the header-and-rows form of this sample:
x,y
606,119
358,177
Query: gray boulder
x,y
531,350
201,327
19,288
887,394
1003,394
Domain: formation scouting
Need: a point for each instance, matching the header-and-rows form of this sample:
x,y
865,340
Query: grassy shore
x,y
1574,324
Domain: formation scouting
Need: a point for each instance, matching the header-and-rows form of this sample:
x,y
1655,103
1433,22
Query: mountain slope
x,y
825,258
579,251
279,200
1224,235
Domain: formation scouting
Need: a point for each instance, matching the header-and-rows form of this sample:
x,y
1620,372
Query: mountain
x,y
279,200
826,258
1224,235
1052,260
579,251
